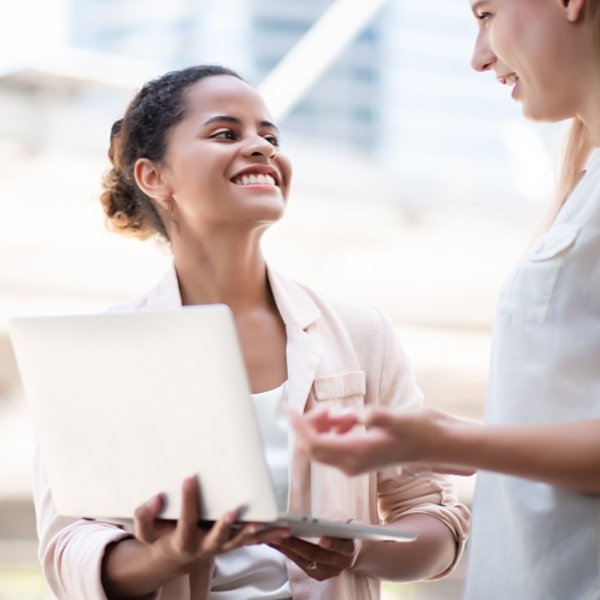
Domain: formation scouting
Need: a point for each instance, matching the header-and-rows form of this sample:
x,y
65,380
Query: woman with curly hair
x,y
196,160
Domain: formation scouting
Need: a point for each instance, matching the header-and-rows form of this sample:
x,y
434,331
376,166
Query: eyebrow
x,y
236,121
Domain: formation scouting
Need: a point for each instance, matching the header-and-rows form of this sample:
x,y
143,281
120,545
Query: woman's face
x,y
223,165
532,46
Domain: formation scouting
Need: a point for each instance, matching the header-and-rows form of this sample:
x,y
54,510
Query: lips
x,y
508,79
257,175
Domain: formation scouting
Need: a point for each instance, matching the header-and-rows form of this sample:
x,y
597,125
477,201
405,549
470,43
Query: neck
x,y
589,91
222,269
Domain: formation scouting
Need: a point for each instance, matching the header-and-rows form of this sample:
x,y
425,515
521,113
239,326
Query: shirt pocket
x,y
528,291
343,390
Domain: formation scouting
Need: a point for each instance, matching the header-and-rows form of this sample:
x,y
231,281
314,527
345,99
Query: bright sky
x,y
30,29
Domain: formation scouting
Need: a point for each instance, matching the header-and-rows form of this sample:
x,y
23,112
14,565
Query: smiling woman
x,y
197,161
537,501
220,113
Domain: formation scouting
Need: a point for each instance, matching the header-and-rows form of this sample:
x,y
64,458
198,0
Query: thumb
x,y
381,417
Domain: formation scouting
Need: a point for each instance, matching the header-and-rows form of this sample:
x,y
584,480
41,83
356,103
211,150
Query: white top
x,y
259,572
532,540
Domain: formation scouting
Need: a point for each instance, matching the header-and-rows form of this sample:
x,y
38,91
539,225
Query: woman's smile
x,y
257,176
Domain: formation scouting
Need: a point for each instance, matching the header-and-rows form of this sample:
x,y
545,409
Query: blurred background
x,y
417,183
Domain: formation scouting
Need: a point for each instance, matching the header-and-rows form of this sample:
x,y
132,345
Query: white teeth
x,y
510,79
258,179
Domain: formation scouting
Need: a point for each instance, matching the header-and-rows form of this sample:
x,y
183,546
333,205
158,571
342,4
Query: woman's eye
x,y
484,16
224,135
272,140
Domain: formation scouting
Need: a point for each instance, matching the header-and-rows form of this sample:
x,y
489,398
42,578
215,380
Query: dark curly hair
x,y
142,133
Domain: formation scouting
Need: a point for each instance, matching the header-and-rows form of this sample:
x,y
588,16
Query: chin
x,y
267,212
542,114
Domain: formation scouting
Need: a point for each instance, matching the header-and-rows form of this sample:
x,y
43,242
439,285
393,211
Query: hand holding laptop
x,y
169,548
329,558
183,539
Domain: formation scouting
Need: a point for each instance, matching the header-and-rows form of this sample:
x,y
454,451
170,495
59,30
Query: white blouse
x,y
532,540
259,572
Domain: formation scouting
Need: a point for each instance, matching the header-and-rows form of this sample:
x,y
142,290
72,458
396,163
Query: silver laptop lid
x,y
128,405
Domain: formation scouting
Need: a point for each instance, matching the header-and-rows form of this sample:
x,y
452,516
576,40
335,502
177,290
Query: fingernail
x,y
152,503
230,517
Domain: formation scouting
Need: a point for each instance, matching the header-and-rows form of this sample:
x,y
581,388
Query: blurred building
x,y
402,93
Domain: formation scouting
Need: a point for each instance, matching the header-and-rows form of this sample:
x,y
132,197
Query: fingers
x,y
300,560
339,553
338,545
304,431
382,418
344,421
324,421
221,537
315,561
256,533
144,526
218,538
185,543
187,532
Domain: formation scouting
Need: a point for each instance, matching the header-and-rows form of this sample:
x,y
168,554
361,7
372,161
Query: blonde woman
x,y
536,532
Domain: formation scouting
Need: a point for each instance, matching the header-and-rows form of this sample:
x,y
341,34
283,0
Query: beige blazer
x,y
338,355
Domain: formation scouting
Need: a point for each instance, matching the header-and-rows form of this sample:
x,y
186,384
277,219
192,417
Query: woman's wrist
x,y
170,567
456,442
132,569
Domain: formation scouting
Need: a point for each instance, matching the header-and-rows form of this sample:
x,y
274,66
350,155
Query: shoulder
x,y
360,321
138,303
361,337
163,295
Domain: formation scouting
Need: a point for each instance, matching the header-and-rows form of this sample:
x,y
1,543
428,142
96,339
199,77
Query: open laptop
x,y
128,405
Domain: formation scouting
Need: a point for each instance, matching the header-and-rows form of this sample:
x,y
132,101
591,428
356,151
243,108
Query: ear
x,y
151,181
574,9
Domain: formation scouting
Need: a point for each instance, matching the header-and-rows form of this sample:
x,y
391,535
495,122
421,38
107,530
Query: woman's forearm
x,y
129,570
565,455
429,555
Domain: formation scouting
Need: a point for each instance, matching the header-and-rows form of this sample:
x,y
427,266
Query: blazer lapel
x,y
303,357
298,311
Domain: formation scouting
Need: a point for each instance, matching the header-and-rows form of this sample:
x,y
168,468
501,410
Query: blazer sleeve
x,y
400,491
70,550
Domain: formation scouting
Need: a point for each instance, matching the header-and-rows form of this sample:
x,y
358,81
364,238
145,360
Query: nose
x,y
483,58
258,146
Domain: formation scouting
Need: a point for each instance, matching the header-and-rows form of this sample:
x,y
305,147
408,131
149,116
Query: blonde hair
x,y
577,149
578,142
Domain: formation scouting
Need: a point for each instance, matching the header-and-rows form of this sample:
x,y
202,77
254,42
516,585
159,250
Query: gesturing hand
x,y
328,559
183,544
413,438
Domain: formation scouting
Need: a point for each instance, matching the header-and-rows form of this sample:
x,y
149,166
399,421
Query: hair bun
x,y
123,212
